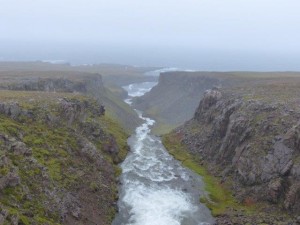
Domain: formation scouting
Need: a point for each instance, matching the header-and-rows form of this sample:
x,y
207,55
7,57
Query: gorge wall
x,y
176,97
249,137
69,82
59,150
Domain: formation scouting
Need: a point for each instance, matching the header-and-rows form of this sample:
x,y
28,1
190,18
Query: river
x,y
155,189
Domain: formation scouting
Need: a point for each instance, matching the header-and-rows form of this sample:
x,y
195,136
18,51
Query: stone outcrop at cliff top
x,y
82,83
247,136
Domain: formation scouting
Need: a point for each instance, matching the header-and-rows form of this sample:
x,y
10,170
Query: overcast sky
x,y
253,27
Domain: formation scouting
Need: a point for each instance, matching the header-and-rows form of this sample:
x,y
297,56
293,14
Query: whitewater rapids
x,y
155,189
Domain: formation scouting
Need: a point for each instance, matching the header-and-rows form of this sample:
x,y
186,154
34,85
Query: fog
x,y
196,34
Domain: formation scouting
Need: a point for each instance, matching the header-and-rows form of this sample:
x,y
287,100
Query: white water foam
x,y
136,90
154,185
156,205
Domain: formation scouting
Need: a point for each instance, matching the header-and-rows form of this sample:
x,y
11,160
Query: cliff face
x,y
176,96
58,156
59,148
250,137
69,82
58,85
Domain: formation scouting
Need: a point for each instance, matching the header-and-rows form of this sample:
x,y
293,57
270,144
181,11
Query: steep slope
x,y
72,81
249,138
58,156
176,97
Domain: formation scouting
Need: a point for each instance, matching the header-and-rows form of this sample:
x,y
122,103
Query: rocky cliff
x,y
84,85
59,148
249,137
176,97
58,156
69,82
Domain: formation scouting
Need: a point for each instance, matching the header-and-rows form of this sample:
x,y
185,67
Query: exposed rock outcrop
x,y
58,156
90,84
176,97
65,82
254,142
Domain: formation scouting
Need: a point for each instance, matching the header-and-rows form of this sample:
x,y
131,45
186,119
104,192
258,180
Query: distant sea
x,y
188,59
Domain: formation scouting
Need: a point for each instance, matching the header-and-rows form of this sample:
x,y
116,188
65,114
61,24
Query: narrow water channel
x,y
155,189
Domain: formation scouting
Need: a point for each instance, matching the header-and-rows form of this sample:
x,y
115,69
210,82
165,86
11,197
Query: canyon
x,y
65,158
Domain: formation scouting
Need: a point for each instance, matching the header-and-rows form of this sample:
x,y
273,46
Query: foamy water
x,y
155,189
